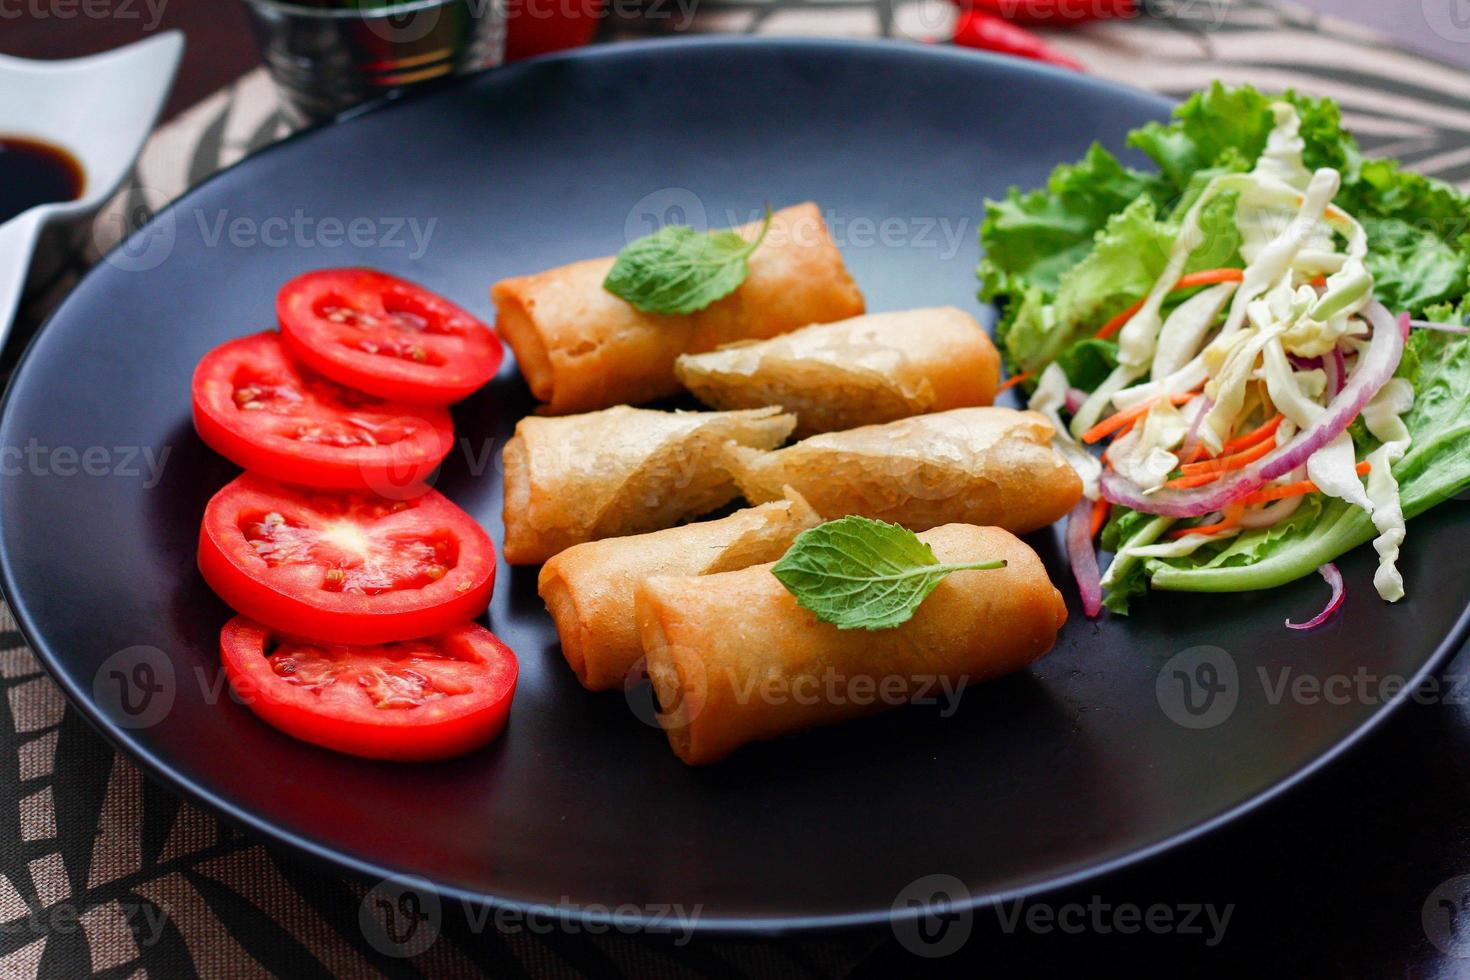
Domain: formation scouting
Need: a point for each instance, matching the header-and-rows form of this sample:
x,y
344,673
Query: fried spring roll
x,y
863,371
734,659
991,466
582,348
621,471
588,588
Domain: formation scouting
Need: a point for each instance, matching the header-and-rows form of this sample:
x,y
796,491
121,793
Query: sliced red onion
x,y
1375,367
1334,579
1336,368
1305,363
1083,558
1186,452
1405,324
1075,398
1442,327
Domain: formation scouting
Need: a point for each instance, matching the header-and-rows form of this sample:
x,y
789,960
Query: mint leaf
x,y
858,573
677,270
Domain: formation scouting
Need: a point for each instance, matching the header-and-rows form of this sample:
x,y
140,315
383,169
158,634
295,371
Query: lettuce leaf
x,y
1227,128
1031,239
1128,255
1088,362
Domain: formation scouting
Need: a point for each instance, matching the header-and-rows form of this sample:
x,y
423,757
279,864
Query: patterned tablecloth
x,y
104,873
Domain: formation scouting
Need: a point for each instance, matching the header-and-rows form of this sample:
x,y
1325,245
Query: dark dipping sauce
x,y
32,172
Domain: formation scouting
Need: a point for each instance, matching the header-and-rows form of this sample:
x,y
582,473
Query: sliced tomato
x,y
386,336
345,567
431,698
254,405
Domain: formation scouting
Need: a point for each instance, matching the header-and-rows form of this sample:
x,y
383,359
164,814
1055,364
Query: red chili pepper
x,y
976,29
1055,13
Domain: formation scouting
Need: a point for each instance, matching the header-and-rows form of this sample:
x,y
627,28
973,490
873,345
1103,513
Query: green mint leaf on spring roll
x,y
678,270
858,573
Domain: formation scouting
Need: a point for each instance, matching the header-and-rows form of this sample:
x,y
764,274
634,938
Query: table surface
x,y
1332,879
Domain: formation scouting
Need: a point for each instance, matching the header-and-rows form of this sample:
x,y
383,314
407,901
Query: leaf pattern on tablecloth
x,y
103,873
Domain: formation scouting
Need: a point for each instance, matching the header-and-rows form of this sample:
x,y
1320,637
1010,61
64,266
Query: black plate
x,y
1073,768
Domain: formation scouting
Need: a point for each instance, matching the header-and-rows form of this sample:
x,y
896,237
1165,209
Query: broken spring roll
x,y
734,659
582,348
588,589
990,466
863,371
621,471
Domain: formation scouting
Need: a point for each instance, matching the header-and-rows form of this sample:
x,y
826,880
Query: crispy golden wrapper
x,y
582,348
734,659
862,371
988,466
621,471
589,588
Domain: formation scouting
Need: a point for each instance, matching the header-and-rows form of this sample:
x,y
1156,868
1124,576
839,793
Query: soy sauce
x,y
32,172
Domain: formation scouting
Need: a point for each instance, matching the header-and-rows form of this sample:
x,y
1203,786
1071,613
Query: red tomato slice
x,y
432,698
345,568
255,406
385,336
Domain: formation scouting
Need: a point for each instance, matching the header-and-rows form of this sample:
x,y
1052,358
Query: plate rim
x,y
777,924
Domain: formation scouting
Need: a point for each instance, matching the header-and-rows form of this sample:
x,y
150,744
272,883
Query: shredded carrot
x,y
1207,278
1190,482
1254,436
1100,508
1117,421
1011,382
1197,453
1230,520
1294,489
1224,464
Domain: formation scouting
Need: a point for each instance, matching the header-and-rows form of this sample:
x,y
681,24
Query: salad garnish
x,y
1255,358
